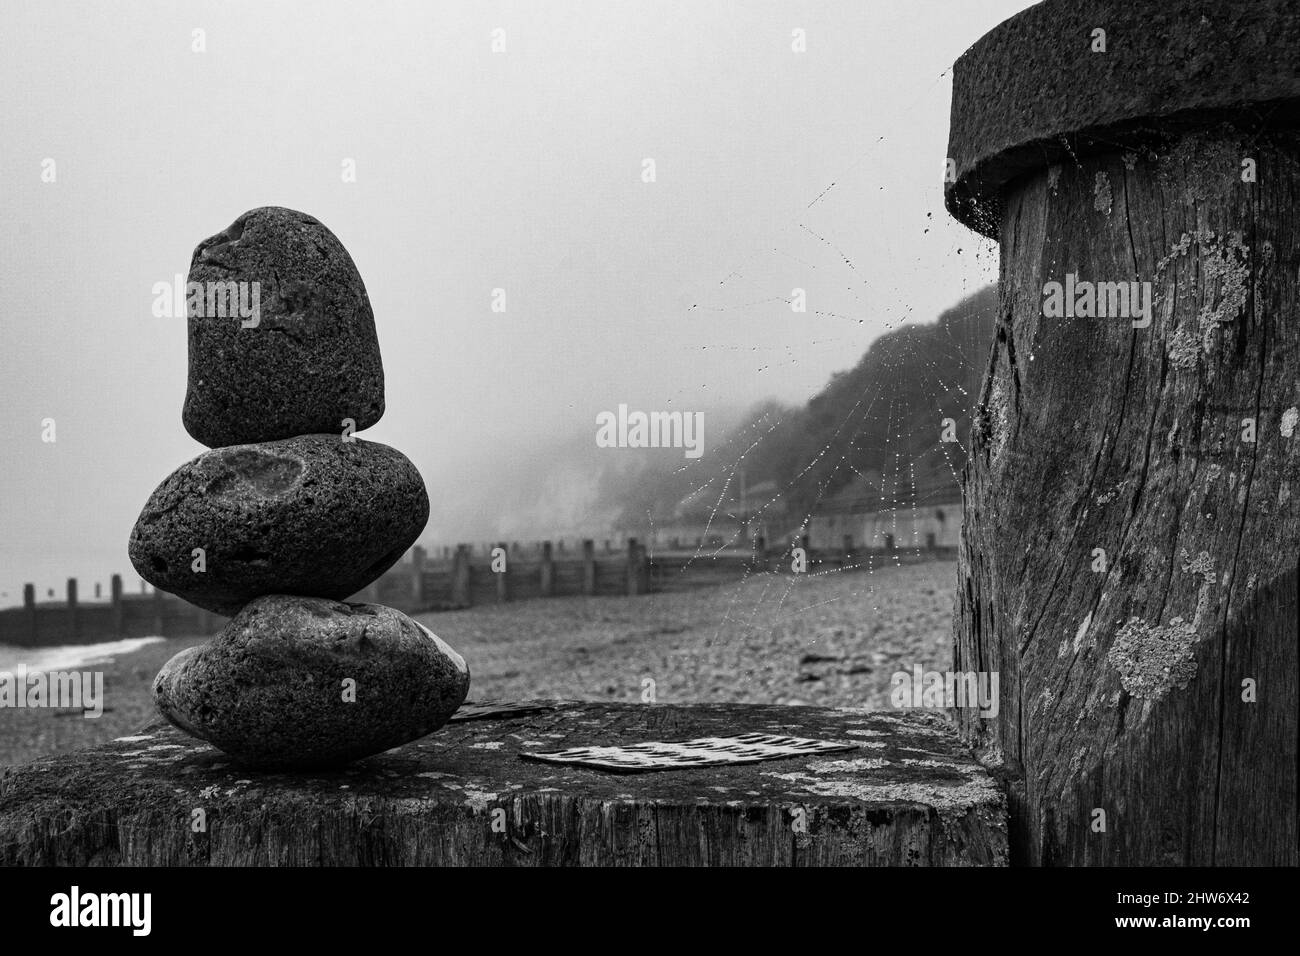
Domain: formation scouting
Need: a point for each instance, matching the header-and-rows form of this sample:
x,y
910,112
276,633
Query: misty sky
x,y
475,170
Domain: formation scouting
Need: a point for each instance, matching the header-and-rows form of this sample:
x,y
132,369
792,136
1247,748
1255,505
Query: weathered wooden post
x,y
547,583
943,810
29,605
74,616
503,576
588,566
1132,496
115,596
460,577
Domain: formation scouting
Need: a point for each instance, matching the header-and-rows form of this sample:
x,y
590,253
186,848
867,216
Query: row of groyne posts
x,y
74,621
459,577
466,576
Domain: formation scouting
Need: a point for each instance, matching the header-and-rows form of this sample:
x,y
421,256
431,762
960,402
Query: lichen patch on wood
x,y
1154,659
1290,418
1102,200
997,414
1223,283
1184,349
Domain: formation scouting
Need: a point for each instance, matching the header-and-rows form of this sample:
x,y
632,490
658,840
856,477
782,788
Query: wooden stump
x,y
909,795
1132,499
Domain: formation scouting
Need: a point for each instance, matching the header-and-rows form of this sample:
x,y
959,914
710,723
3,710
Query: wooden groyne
x,y
460,577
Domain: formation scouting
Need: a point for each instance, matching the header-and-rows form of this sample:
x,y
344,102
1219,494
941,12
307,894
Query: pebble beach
x,y
831,639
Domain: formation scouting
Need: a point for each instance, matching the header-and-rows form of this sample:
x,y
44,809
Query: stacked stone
x,y
289,514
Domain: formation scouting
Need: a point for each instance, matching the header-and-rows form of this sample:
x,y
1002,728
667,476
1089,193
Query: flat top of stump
x,y
1032,92
907,763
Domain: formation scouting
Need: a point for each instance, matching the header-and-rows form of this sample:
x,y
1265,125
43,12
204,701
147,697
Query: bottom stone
x,y
911,795
297,683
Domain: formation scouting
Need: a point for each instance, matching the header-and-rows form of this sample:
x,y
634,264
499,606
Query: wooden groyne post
x,y
638,568
1132,496
546,584
74,618
418,598
588,567
29,610
460,576
115,596
502,576
160,612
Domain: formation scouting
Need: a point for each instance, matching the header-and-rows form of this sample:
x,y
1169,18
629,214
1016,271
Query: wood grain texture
x,y
910,796
1122,688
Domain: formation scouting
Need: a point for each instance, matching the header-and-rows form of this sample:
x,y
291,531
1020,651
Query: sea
x,y
67,657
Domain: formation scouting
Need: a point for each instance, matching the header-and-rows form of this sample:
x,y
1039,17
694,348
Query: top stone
x,y
281,336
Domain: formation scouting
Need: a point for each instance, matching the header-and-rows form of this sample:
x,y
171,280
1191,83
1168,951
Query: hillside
x,y
877,424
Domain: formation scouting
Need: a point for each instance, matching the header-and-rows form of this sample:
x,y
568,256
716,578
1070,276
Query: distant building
x,y
745,512
858,512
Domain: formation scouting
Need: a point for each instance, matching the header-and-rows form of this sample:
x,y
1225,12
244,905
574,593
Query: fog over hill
x,y
877,424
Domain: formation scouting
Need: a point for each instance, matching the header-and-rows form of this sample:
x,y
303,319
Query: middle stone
x,y
314,515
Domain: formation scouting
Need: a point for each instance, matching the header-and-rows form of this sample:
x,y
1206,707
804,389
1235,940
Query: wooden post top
x,y
1036,90
908,795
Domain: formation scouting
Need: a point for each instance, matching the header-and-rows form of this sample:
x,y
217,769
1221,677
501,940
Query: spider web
x,y
896,480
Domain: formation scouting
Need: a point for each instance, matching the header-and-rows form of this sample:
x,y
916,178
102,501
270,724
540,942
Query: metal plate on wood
x,y
702,752
489,709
